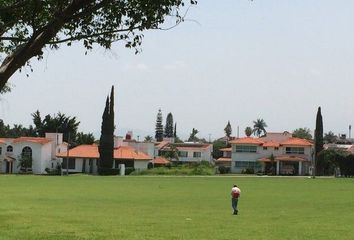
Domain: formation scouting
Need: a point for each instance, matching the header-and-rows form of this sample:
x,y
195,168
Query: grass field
x,y
91,207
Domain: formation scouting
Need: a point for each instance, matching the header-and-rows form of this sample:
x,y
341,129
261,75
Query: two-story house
x,y
288,155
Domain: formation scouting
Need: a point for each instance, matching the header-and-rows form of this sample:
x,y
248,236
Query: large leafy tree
x,y
58,123
107,138
193,136
259,127
330,137
228,130
159,127
29,26
319,168
248,131
169,126
304,133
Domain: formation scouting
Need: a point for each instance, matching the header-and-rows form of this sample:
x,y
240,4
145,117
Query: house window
x,y
183,154
265,148
9,149
197,154
246,148
276,148
0,150
27,152
294,150
71,163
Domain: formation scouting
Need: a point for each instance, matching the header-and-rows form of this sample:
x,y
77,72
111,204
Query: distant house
x,y
187,152
292,156
225,160
41,150
84,158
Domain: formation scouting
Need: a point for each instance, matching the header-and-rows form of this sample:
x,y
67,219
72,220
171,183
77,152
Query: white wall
x,y
140,164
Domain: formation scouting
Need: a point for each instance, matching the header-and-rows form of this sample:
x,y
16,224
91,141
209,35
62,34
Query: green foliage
x,y
58,123
182,169
26,27
169,133
148,138
247,171
193,136
108,171
304,133
217,145
159,127
25,163
248,131
330,137
84,138
259,127
228,129
106,141
319,142
224,170
16,131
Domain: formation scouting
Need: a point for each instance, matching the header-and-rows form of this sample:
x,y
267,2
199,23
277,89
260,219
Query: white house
x,y
187,152
291,156
41,150
84,158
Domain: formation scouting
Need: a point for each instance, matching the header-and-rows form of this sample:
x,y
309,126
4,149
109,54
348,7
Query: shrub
x,y
224,170
129,170
108,171
247,171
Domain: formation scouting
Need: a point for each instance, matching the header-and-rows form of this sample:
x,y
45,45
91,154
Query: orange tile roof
x,y
91,151
297,141
247,140
160,161
82,151
223,159
271,144
226,149
125,152
40,140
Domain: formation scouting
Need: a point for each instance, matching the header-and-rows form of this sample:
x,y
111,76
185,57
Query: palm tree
x,y
259,127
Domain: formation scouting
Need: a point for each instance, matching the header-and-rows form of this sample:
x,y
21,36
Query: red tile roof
x,y
91,151
271,144
160,161
297,142
39,140
226,149
223,159
82,151
247,140
125,152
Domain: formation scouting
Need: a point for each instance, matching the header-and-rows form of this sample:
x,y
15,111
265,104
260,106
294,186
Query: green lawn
x,y
91,207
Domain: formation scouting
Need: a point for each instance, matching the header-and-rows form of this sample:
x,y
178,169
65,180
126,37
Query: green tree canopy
x,y
29,26
169,133
248,131
228,129
159,127
259,127
304,133
193,136
330,137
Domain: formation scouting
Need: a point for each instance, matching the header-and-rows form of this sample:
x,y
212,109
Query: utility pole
x,y
67,156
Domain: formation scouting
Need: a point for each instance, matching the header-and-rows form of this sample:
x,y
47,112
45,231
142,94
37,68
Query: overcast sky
x,y
272,59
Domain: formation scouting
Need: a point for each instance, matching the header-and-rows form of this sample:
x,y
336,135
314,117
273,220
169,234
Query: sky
x,y
233,60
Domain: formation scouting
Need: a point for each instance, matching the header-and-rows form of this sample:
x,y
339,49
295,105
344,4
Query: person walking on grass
x,y
235,194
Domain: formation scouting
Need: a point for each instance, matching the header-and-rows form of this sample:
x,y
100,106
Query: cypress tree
x,y
169,126
159,127
228,130
318,142
106,140
175,131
